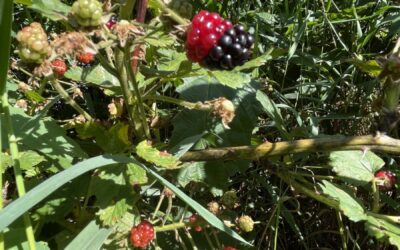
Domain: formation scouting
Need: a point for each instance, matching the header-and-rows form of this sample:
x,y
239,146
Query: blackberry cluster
x,y
33,45
87,12
216,43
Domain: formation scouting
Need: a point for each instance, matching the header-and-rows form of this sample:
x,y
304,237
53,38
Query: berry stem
x,y
381,143
342,230
5,41
69,100
170,227
186,104
138,95
172,14
19,179
140,17
376,198
311,193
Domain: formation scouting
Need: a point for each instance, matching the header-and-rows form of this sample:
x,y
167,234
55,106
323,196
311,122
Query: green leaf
x,y
347,203
153,155
44,136
355,167
136,174
29,159
159,39
96,75
206,131
370,67
90,238
383,230
21,205
112,140
5,162
34,96
110,215
53,9
232,79
266,17
192,172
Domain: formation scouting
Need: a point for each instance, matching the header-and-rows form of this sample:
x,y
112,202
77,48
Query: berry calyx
x,y
142,234
87,12
385,179
246,223
113,20
85,58
216,43
59,67
33,45
229,248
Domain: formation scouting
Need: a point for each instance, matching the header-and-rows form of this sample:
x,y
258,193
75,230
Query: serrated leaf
x,y
191,172
159,39
110,215
29,159
171,60
355,167
232,79
347,203
153,155
136,174
5,162
96,75
44,136
53,9
112,140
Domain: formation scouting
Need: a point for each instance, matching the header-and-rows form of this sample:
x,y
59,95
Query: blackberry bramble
x,y
216,43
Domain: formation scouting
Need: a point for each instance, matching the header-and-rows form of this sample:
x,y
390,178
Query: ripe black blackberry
x,y
231,50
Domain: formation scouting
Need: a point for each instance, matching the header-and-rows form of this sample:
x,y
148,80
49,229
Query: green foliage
x,y
356,167
319,70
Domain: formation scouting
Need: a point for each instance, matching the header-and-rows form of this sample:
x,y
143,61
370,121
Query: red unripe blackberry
x,y
59,67
142,234
385,179
216,43
85,58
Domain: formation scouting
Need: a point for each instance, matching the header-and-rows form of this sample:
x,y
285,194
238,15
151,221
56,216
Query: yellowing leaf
x,y
153,155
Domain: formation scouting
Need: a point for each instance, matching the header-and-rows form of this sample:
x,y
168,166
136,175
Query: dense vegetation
x,y
111,138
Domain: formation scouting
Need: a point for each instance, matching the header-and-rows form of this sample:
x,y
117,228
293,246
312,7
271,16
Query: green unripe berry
x,y
246,223
87,12
229,199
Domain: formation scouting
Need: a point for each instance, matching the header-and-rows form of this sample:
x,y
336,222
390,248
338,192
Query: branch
x,y
381,143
